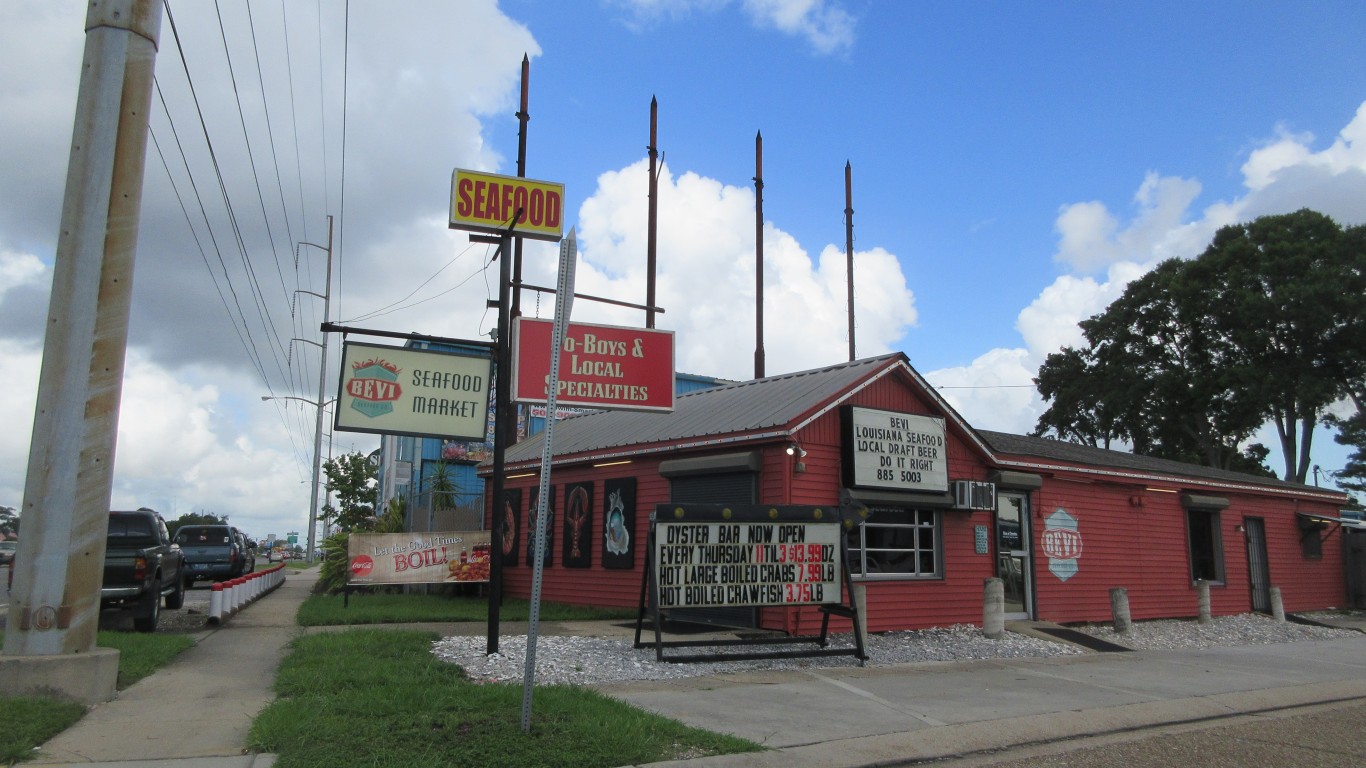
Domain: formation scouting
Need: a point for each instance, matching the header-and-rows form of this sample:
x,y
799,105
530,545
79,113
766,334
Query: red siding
x,y
1133,535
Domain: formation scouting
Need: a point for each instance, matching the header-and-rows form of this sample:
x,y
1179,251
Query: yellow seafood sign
x,y
486,202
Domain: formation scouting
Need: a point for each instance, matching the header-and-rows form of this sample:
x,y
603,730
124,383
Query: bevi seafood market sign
x,y
401,391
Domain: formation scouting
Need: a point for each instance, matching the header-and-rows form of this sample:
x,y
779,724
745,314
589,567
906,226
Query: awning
x,y
1311,519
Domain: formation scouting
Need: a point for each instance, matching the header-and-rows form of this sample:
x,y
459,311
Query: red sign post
x,y
601,366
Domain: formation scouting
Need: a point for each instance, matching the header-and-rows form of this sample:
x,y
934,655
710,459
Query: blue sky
x,y
1014,165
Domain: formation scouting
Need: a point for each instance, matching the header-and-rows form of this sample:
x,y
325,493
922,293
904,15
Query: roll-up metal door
x,y
721,488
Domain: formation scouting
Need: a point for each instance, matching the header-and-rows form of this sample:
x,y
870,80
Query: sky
x,y
1013,166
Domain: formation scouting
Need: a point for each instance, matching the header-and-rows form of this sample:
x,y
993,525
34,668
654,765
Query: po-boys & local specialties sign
x,y
601,366
402,391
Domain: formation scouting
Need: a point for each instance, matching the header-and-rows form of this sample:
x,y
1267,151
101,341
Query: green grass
x,y
26,722
29,722
379,608
379,697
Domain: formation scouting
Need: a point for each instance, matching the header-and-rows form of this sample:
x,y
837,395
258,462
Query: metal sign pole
x,y
564,300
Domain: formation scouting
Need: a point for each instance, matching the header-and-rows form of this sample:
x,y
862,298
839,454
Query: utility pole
x,y
56,593
326,296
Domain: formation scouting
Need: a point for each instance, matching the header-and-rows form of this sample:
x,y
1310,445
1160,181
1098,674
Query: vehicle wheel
x,y
146,620
176,598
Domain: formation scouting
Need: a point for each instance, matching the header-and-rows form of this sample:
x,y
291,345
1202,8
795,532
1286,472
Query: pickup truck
x,y
215,552
142,566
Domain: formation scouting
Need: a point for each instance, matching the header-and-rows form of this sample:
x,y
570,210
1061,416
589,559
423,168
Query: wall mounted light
x,y
794,449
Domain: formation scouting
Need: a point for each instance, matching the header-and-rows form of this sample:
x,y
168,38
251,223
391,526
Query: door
x,y
1258,573
1012,553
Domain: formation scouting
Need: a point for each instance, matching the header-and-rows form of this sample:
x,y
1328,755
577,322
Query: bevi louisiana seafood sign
x,y
485,202
401,391
601,366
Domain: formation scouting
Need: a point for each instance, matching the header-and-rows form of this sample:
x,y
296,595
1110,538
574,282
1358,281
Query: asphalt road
x,y
1322,736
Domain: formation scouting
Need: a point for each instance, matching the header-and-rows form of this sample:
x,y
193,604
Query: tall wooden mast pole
x,y
652,221
759,255
523,117
849,247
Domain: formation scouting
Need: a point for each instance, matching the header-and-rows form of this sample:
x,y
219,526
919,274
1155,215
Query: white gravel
x,y
595,660
1241,629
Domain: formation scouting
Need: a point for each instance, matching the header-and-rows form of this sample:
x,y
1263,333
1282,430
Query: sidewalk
x,y
202,705
196,711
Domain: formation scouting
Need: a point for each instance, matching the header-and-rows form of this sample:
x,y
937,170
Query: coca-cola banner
x,y
418,558
578,525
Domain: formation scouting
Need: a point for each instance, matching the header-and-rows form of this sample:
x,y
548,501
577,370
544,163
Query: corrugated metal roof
x,y
750,408
1005,444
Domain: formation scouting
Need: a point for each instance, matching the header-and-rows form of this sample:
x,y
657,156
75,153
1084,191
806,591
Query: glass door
x,y
1012,553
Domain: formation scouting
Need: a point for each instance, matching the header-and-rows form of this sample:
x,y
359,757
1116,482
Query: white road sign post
x,y
564,301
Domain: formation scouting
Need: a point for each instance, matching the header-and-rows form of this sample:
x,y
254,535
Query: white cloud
x,y
706,278
825,25
1281,176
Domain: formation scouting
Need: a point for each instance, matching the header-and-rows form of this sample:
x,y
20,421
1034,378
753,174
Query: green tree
x,y
351,480
1289,294
9,522
192,519
1152,375
1267,324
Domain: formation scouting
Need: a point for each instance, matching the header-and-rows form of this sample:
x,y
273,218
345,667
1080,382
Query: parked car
x,y
247,548
213,552
142,567
7,550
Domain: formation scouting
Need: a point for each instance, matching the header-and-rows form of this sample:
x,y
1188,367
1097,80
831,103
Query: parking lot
x,y
191,617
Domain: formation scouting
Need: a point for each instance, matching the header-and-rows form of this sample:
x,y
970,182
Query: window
x,y
1206,547
896,543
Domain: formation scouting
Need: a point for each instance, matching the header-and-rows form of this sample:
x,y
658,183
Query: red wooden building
x,y
942,506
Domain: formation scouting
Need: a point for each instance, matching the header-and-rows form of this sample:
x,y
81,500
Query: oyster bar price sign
x,y
788,559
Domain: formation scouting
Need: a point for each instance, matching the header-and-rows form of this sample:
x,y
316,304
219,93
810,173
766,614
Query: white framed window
x,y
896,543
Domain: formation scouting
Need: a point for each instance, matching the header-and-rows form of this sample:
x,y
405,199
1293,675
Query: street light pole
x,y
322,390
320,404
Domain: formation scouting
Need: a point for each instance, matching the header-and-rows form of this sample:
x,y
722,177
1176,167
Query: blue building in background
x,y
416,469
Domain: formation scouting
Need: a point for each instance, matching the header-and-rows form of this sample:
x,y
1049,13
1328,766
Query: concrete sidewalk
x,y
196,711
883,716
203,704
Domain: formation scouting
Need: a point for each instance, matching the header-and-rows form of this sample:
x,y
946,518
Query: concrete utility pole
x,y
56,595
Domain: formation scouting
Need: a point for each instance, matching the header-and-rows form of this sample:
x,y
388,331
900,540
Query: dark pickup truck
x,y
215,552
141,567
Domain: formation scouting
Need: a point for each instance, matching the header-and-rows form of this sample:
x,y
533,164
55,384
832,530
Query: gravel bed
x,y
1240,629
594,660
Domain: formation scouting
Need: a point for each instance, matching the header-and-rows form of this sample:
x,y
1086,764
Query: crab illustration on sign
x,y
373,387
1062,544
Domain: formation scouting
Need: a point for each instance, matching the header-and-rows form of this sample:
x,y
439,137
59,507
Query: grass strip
x,y
29,721
379,697
380,608
26,721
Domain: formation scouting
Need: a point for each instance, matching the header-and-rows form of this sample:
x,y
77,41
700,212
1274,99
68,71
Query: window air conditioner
x,y
969,494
